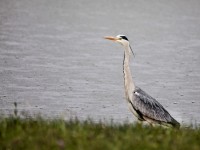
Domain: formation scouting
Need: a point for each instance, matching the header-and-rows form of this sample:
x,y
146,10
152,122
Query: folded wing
x,y
149,108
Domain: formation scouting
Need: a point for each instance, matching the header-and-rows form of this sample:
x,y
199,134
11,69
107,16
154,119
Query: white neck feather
x,y
128,81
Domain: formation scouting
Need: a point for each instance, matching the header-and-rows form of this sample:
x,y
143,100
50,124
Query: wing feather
x,y
149,107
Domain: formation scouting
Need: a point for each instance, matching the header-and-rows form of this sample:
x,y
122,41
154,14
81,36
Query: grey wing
x,y
147,106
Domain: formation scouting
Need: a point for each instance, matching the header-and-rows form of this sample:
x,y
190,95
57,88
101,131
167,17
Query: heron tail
x,y
175,124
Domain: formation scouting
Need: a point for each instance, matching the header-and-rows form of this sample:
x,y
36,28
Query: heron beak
x,y
111,38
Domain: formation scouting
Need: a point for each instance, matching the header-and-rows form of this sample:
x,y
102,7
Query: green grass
x,y
16,133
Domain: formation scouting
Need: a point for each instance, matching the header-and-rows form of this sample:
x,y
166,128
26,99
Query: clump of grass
x,y
38,133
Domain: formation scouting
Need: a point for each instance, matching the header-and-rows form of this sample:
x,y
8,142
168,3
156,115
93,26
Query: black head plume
x,y
123,37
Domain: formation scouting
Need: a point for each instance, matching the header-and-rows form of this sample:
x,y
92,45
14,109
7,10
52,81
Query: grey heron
x,y
142,105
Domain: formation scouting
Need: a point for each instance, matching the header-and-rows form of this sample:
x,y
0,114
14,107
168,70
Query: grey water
x,y
55,62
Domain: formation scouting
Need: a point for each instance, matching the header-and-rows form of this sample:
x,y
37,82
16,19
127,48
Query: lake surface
x,y
55,62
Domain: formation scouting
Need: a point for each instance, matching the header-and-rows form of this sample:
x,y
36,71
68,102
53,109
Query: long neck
x,y
128,81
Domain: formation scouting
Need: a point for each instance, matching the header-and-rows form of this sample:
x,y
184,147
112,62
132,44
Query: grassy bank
x,y
58,134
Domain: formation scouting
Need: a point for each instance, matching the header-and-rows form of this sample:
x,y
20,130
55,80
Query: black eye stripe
x,y
123,37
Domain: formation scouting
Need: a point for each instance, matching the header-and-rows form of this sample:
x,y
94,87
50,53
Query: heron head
x,y
122,39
